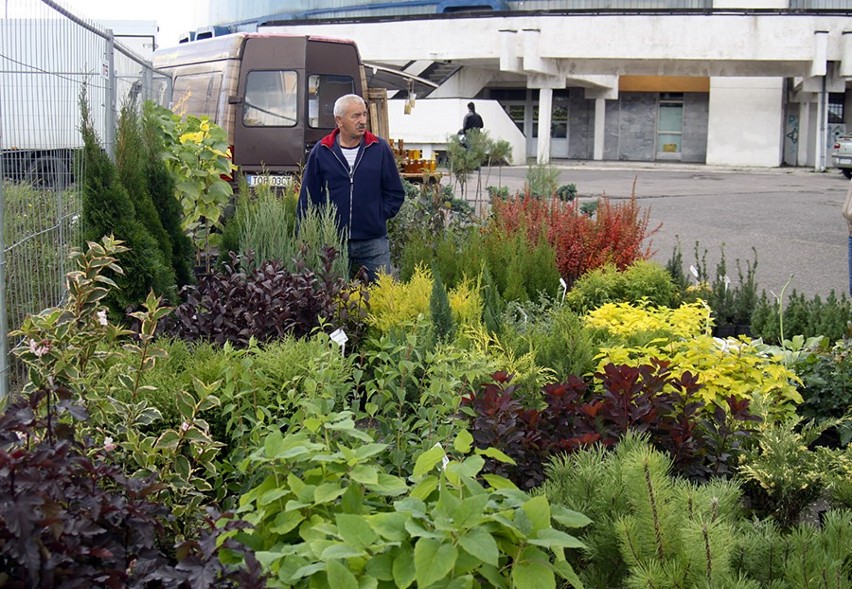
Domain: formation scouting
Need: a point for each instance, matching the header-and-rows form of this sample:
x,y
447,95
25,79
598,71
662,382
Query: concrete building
x,y
725,82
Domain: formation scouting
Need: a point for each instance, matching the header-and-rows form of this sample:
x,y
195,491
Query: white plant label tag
x,y
339,337
564,286
694,271
727,282
523,314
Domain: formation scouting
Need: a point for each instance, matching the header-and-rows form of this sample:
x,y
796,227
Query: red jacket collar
x,y
329,140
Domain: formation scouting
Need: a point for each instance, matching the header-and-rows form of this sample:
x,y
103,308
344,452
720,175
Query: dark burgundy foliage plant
x,y
702,442
69,518
234,304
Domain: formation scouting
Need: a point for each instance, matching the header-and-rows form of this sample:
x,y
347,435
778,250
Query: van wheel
x,y
847,172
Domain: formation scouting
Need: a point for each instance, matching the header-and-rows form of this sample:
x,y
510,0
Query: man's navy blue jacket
x,y
366,196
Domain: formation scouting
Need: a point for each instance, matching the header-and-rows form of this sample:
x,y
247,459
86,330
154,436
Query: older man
x,y
356,171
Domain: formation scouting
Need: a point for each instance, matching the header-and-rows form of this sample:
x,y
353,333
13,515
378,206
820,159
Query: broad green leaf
x,y
533,571
550,538
469,512
389,485
498,482
538,512
365,474
463,442
390,525
566,571
427,461
533,575
307,571
569,518
482,545
271,495
285,522
433,561
168,440
403,569
355,530
185,404
492,575
328,492
369,450
381,567
341,551
425,487
496,455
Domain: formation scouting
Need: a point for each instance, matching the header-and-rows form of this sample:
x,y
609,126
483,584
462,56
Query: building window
x,y
836,102
670,124
516,112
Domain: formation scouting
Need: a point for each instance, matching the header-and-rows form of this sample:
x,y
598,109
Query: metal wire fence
x,y
48,57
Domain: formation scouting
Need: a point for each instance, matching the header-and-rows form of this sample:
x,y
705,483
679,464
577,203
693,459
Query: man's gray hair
x,y
341,103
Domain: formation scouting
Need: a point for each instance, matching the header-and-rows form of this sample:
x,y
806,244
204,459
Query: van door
x,y
333,70
269,126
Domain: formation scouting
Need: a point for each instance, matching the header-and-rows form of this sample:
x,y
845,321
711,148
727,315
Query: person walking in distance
x,y
472,120
356,171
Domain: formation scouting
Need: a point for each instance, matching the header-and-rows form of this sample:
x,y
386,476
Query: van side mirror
x,y
234,99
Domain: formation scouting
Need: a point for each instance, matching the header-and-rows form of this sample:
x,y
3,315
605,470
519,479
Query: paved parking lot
x,y
791,216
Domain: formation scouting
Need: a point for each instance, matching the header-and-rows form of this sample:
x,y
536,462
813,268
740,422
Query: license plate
x,y
278,181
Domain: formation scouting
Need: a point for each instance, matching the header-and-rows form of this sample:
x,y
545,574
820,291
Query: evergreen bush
x,y
641,281
163,191
108,210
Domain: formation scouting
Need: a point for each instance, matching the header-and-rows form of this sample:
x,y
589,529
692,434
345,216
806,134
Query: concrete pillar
x,y
545,110
804,133
600,125
846,55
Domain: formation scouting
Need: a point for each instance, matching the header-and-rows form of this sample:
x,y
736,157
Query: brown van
x,y
273,93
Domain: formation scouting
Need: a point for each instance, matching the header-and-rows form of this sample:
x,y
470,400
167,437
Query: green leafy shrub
x,y
555,335
328,515
733,303
801,316
198,155
161,187
827,386
642,280
567,192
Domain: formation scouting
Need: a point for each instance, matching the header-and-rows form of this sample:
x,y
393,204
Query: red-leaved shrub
x,y
615,234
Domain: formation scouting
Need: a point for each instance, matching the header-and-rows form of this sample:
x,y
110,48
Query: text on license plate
x,y
257,180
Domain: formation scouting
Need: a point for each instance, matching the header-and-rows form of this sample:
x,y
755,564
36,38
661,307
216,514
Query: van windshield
x,y
271,99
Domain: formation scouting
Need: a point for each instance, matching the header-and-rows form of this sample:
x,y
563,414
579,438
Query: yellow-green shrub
x,y
623,319
394,303
724,367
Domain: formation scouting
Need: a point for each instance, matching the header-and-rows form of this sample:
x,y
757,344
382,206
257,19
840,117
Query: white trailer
x,y
45,65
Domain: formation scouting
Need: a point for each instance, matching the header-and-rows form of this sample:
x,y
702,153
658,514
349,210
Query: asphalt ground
x,y
790,216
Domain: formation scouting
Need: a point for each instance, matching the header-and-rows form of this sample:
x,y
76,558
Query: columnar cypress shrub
x,y
130,155
161,187
439,305
107,209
